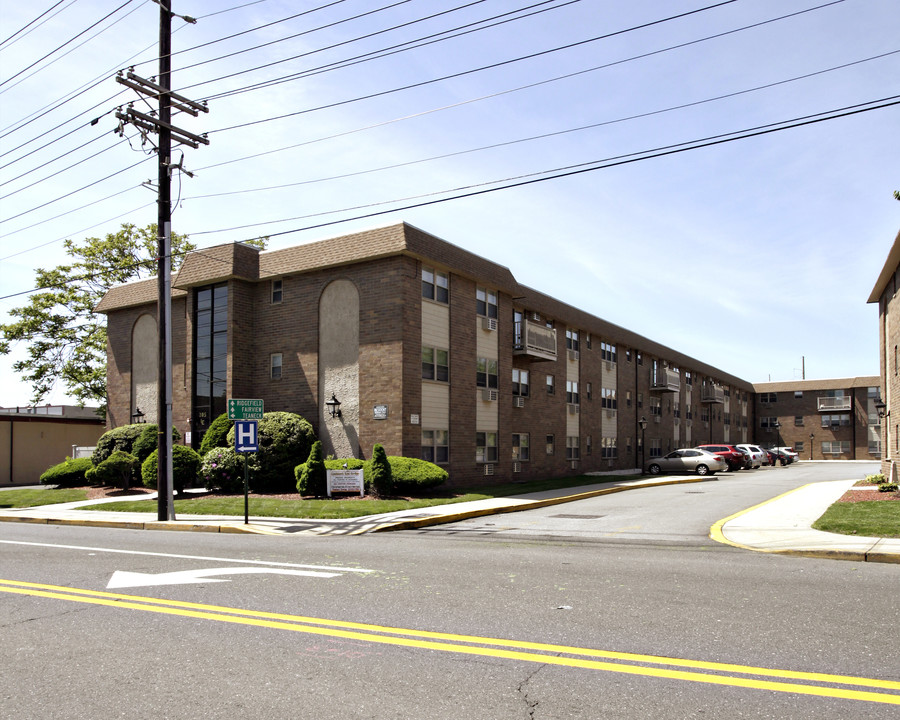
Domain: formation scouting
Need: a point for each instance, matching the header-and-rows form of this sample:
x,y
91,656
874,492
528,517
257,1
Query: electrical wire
x,y
29,24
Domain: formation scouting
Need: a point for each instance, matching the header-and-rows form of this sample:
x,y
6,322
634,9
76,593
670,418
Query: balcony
x,y
712,394
665,380
827,404
534,341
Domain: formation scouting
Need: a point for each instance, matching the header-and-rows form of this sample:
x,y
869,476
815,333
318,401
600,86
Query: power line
x,y
29,24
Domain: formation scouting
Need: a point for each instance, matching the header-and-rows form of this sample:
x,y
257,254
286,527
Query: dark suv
x,y
735,458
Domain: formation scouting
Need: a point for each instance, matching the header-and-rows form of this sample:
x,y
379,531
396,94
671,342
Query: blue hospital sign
x,y
245,436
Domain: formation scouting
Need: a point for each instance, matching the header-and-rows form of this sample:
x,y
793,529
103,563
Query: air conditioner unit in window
x,y
610,413
609,365
488,469
536,317
488,395
489,323
574,409
657,418
573,355
518,401
517,467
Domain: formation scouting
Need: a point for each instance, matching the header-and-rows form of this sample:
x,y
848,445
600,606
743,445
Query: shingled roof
x,y
140,292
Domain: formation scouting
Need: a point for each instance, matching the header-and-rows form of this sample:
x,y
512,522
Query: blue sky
x,y
749,255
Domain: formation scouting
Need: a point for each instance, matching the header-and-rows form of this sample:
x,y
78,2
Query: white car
x,y
758,456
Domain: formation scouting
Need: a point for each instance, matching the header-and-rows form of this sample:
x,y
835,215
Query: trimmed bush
x,y
285,439
380,473
148,441
119,470
413,476
312,479
222,469
120,438
888,487
876,479
217,434
69,473
185,466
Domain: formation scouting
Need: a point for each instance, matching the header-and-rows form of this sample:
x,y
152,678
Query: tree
x,y
66,339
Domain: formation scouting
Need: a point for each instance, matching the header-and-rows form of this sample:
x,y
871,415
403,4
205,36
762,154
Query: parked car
x,y
692,460
777,456
756,454
789,451
736,459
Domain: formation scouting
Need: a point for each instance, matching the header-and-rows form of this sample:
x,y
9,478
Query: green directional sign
x,y
245,409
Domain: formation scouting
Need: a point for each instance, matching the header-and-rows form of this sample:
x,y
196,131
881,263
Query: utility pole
x,y
162,125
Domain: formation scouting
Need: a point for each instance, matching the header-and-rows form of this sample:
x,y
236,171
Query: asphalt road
x,y
428,624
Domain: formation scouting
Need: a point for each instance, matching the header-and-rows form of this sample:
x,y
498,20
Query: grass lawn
x,y
32,497
339,509
870,518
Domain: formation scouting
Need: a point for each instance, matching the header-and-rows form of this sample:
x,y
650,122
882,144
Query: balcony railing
x,y
534,341
833,403
712,394
665,380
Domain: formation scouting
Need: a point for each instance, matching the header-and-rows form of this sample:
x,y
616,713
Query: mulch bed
x,y
865,492
99,493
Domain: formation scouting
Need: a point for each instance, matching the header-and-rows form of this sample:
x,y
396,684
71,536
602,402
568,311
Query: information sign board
x,y
245,409
346,481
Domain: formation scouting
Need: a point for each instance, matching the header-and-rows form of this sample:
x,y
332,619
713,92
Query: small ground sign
x,y
346,481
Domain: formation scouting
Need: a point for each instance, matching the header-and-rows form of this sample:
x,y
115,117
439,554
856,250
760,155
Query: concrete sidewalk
x,y
781,525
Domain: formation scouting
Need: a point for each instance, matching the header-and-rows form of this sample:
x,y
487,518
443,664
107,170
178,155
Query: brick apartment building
x,y
885,294
431,350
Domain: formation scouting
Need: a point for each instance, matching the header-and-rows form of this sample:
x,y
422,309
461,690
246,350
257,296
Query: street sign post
x,y
245,409
246,440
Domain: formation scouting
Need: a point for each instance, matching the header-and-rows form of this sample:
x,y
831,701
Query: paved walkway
x,y
780,525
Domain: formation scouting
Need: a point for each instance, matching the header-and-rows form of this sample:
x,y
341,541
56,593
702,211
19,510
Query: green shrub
x,y
876,479
222,468
185,466
380,473
119,470
120,438
69,473
413,476
285,440
888,487
148,441
217,434
312,479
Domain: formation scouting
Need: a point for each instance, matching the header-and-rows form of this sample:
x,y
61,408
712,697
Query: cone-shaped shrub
x,y
312,476
380,473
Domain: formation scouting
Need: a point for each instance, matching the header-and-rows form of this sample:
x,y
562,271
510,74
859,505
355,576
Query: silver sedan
x,y
690,460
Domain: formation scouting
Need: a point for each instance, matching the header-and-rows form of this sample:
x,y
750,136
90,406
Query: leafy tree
x,y
66,340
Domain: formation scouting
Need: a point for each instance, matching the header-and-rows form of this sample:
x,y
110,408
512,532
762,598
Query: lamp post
x,y
811,437
643,423
777,425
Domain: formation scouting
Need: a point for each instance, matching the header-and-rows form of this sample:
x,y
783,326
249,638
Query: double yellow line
x,y
803,683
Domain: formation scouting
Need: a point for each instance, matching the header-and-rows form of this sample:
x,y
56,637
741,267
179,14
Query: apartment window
x,y
588,444
277,292
486,302
768,397
486,373
210,354
589,391
704,415
798,446
587,340
835,447
608,448
873,393
435,364
628,398
572,392
520,382
838,420
520,447
572,342
550,444
435,285
798,394
573,448
640,359
608,352
275,366
628,355
550,384
798,420
608,398
688,379
655,448
768,422
676,410
655,406
485,447
688,412
436,446
727,420
640,400
874,447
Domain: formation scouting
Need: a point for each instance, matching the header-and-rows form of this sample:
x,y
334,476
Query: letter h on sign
x,y
245,436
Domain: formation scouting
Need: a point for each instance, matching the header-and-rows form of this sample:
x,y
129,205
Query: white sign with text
x,y
346,481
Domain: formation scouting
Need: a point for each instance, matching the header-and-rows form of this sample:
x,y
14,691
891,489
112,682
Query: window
x,y
435,285
834,421
655,448
520,447
485,447
640,400
768,397
640,359
588,444
727,419
587,340
550,443
798,394
573,448
655,406
435,364
688,378
436,446
873,393
628,398
798,446
768,422
486,302
275,366
608,352
520,382
835,447
608,448
550,385
628,355
798,420
572,342
486,373
608,398
572,392
277,291
210,355
589,391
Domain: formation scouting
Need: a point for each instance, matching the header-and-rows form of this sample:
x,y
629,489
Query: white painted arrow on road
x,y
123,578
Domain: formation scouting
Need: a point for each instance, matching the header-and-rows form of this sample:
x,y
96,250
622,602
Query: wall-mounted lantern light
x,y
137,416
880,407
334,406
